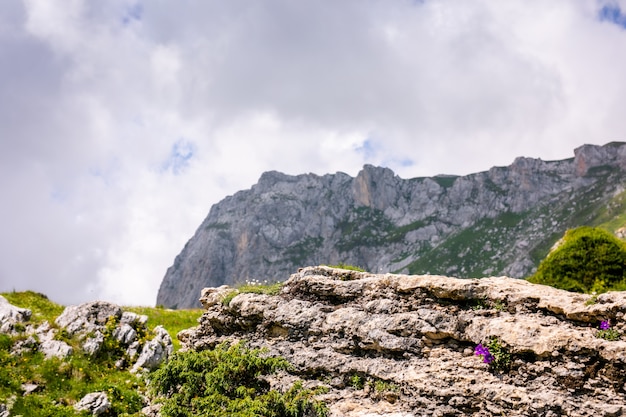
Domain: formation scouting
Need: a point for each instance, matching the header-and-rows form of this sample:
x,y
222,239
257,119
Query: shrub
x,y
228,381
588,260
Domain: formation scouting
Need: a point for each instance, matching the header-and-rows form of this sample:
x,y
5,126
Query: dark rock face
x,y
410,340
502,221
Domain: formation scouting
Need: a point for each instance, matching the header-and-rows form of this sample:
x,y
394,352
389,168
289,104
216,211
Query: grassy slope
x,y
63,382
467,250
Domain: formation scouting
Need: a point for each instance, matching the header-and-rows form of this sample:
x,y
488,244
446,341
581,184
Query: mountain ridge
x,y
496,222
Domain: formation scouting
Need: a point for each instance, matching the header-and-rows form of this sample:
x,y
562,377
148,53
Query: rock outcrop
x,y
91,322
11,315
101,330
499,222
401,345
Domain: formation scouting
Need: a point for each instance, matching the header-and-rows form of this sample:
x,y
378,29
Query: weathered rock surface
x,y
498,222
10,315
55,349
418,333
155,351
96,403
88,317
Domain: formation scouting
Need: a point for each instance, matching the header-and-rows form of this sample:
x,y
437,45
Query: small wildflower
x,y
481,350
606,332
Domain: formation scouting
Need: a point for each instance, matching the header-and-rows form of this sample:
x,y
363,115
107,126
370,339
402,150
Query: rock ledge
x,y
417,335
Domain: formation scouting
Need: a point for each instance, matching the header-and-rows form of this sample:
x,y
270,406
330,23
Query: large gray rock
x,y
87,317
4,411
490,223
10,315
419,334
96,403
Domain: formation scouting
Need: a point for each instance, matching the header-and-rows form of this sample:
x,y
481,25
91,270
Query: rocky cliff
x,y
502,221
404,346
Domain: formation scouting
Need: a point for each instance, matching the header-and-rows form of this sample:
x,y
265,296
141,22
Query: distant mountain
x,y
499,222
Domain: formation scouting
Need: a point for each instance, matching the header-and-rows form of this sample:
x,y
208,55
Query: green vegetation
x,y
253,287
612,216
228,381
299,253
172,320
347,267
62,382
364,226
257,288
217,226
445,181
588,260
473,250
502,358
609,334
485,303
42,308
378,388
357,382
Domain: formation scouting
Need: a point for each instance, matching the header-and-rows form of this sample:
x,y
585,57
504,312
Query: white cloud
x,y
121,122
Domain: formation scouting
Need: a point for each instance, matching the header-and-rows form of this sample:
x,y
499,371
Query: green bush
x,y
588,260
228,381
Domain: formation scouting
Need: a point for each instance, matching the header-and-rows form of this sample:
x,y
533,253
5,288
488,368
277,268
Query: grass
x,y
173,320
347,267
253,288
63,382
42,308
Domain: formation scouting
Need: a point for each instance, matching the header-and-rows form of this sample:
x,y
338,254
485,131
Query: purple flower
x,y
605,325
480,350
484,352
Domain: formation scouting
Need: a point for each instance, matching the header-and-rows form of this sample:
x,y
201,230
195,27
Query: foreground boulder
x,y
398,345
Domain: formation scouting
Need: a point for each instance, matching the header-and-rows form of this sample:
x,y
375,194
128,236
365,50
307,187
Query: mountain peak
x,y
501,221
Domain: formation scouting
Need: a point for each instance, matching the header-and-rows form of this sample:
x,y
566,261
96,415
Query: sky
x,y
123,121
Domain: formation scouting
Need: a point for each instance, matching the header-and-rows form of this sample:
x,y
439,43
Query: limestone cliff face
x,y
502,221
410,341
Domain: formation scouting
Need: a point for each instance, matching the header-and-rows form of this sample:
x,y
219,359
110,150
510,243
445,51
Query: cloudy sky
x,y
123,121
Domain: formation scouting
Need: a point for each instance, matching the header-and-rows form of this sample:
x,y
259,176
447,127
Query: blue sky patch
x,y
612,13
132,13
181,153
369,149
